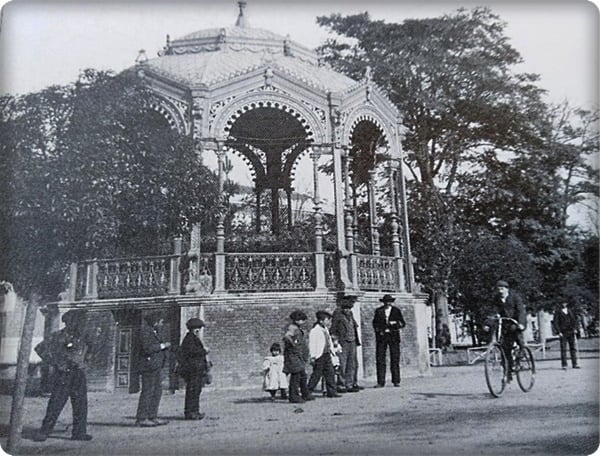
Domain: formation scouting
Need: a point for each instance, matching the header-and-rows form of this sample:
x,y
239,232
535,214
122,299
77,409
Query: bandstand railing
x,y
239,272
269,271
377,273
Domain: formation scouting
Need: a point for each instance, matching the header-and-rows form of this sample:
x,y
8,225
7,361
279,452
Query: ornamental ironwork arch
x,y
226,118
365,115
170,113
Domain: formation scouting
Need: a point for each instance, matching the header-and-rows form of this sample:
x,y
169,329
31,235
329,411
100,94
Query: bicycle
x,y
496,363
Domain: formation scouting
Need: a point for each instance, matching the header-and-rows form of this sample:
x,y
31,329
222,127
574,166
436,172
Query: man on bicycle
x,y
509,304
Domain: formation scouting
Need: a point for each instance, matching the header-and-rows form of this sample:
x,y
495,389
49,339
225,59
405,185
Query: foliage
x,y
92,171
492,169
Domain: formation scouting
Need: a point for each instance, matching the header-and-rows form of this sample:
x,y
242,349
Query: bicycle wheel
x,y
495,369
525,367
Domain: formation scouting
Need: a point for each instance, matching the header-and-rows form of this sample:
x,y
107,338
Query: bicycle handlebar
x,y
498,317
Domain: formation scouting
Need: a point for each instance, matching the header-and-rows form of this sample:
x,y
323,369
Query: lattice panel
x,y
134,277
376,273
269,272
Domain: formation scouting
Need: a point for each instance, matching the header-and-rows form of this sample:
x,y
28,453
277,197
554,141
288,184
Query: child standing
x,y
335,359
295,354
274,378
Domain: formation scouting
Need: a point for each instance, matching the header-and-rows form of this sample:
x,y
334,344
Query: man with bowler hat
x,y
152,359
193,366
67,351
387,322
344,327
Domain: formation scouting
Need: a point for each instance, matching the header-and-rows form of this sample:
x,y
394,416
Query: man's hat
x,y
73,316
347,301
502,283
194,323
154,317
298,315
322,315
387,298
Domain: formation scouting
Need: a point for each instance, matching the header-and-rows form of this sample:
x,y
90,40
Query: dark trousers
x,y
193,388
348,363
382,343
298,386
150,395
323,367
68,384
568,338
508,341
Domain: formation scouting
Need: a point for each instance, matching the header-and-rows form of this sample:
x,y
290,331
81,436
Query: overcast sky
x,y
48,42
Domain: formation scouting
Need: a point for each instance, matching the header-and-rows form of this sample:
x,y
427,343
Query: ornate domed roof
x,y
210,56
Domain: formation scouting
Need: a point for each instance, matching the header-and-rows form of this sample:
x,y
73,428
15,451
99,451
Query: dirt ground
x,y
450,412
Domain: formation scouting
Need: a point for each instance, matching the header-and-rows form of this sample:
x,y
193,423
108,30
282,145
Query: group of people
x,y
67,351
330,348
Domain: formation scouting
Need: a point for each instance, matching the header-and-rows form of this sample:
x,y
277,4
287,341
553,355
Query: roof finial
x,y
241,20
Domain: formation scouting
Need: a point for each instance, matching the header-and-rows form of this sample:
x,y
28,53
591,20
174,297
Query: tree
x,y
453,78
92,171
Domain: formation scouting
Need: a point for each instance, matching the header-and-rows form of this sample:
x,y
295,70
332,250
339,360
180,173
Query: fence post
x,y
175,276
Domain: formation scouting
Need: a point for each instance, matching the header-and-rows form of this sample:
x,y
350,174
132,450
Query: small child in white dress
x,y
274,378
335,358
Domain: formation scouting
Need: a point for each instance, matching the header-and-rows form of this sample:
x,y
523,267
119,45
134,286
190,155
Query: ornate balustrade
x,y
376,273
240,272
269,271
125,277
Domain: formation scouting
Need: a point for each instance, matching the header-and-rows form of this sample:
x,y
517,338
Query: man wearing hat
x,y
509,304
345,328
152,359
193,366
387,322
67,351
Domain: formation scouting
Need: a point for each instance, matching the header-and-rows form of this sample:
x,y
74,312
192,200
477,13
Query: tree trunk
x,y
16,411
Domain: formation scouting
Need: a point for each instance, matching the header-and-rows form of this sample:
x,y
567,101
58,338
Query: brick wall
x,y
240,329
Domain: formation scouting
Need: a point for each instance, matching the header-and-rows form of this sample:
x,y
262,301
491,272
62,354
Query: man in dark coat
x,y
152,359
565,324
193,366
67,351
344,327
509,304
387,322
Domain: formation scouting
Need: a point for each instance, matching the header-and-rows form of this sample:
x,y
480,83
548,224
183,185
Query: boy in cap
x,y
387,322
67,351
321,349
295,355
193,366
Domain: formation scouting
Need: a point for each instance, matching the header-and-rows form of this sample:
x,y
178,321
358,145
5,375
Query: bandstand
x,y
269,100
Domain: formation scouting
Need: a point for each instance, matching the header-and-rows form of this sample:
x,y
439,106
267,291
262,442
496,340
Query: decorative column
x,y
349,221
220,254
399,269
375,249
403,213
258,215
319,255
175,277
288,192
344,254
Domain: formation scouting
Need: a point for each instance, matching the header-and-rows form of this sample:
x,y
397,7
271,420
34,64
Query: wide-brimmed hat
x,y
502,283
387,298
323,314
194,323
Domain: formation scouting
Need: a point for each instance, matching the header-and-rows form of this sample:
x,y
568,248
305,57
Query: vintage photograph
x,y
264,227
